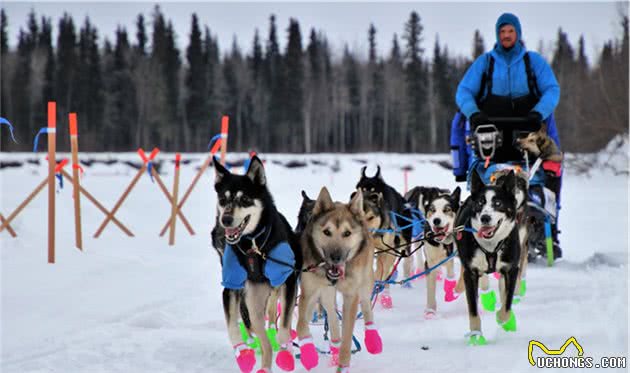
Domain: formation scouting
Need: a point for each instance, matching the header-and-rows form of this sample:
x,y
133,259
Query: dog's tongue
x,y
231,231
486,231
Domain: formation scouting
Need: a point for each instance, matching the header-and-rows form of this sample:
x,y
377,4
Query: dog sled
x,y
495,151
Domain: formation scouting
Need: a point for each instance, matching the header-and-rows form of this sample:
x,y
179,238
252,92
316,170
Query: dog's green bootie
x,y
477,340
523,288
488,300
272,334
253,343
510,325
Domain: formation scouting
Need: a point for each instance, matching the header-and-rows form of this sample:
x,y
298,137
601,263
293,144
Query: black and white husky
x,y
439,207
259,263
490,212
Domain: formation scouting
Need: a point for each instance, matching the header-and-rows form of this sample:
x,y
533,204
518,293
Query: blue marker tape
x,y
4,121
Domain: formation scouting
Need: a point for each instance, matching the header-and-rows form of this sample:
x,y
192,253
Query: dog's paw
x,y
285,360
308,353
245,357
373,342
386,301
334,353
510,324
449,290
475,338
343,369
488,300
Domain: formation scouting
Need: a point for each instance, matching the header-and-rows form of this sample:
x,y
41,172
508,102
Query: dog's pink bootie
x,y
245,357
373,342
334,353
308,353
386,301
285,360
497,275
449,290
263,370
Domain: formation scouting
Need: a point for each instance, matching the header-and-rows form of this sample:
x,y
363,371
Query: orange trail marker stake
x,y
52,128
204,167
225,123
122,198
74,145
171,239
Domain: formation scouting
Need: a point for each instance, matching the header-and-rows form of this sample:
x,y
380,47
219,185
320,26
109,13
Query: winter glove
x,y
534,118
460,178
478,119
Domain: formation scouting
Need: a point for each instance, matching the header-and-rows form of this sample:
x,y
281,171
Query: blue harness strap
x,y
279,265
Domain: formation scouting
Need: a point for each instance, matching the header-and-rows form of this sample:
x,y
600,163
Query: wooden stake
x,y
52,128
171,239
98,205
203,169
74,145
168,196
9,228
225,121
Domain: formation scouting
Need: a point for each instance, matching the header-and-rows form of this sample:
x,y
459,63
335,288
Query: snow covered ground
x,y
138,304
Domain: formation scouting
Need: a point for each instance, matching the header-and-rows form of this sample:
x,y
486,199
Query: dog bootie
x,y
263,370
245,357
285,359
373,342
407,285
334,352
272,334
343,369
488,300
510,325
386,300
497,275
308,353
475,338
449,290
429,314
523,289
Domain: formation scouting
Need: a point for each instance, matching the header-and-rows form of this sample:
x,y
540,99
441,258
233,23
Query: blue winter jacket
x,y
509,77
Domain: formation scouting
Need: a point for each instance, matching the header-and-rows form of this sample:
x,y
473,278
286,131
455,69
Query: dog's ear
x,y
356,203
324,202
412,196
363,171
378,172
509,182
256,172
543,129
476,184
305,196
219,171
455,197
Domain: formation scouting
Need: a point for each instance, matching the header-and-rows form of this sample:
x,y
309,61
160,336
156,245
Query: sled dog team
x,y
332,251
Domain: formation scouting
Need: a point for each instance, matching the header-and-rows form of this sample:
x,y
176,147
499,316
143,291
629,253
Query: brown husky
x,y
338,245
540,145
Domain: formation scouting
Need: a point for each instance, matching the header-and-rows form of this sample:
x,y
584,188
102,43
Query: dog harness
x,y
277,266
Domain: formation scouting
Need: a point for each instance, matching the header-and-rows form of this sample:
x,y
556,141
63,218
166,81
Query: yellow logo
x,y
547,351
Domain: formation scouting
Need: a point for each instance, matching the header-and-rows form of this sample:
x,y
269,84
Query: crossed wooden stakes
x,y
145,165
6,223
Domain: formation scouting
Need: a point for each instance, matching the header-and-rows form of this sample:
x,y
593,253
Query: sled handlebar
x,y
508,120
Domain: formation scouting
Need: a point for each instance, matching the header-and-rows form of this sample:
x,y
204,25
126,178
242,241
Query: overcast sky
x,y
347,22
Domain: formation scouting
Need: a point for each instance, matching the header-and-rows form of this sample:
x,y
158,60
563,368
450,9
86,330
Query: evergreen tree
x,y
294,99
67,65
4,41
141,35
196,84
478,45
416,83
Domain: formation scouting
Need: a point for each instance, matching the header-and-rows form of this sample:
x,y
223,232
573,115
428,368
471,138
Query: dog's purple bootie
x,y
285,360
373,342
245,357
308,353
